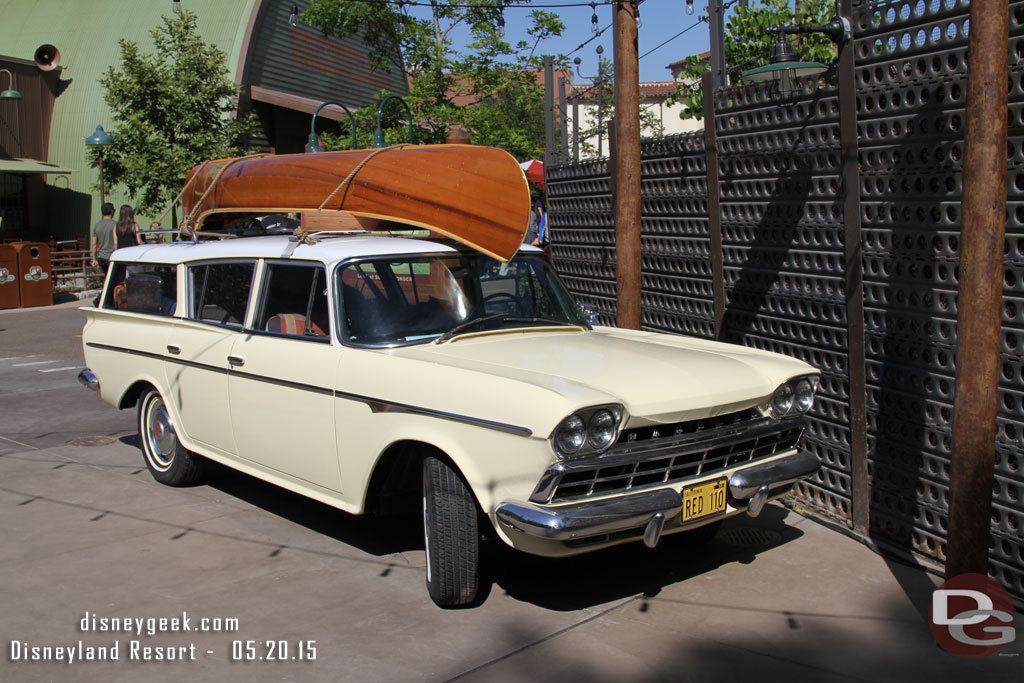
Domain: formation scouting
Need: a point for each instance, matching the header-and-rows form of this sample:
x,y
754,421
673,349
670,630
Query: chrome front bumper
x,y
87,379
648,510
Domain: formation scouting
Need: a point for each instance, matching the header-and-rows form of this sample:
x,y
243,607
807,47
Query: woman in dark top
x,y
126,233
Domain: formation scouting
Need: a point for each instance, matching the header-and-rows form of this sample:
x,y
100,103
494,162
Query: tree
x,y
601,97
748,45
501,98
172,109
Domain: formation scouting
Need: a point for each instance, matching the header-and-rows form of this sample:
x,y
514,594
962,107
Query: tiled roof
x,y
649,90
658,88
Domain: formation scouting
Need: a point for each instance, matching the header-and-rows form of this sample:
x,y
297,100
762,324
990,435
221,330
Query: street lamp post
x,y
378,135
599,81
10,93
100,139
313,144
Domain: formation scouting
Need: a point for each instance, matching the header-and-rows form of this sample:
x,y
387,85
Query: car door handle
x,y
236,361
171,348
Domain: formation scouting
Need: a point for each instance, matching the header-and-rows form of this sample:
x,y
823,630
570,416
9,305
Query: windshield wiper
x,y
498,318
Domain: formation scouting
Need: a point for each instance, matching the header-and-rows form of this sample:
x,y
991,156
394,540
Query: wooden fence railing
x,y
73,269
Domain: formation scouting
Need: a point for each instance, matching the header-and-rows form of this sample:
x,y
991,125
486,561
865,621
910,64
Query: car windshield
x,y
409,299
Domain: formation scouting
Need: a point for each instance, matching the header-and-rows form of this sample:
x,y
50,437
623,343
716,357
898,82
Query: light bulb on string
x,y
593,20
501,27
636,11
689,6
293,16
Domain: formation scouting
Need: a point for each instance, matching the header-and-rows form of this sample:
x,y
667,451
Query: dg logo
x,y
972,616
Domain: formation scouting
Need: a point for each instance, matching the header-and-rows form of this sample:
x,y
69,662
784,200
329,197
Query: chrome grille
x,y
690,450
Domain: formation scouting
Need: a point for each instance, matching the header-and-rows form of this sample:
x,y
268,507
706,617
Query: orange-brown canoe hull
x,y
476,195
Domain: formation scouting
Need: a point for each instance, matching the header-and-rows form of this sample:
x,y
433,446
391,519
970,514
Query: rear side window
x,y
143,288
220,292
294,301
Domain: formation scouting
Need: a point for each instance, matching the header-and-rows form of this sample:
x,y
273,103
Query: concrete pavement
x,y
86,530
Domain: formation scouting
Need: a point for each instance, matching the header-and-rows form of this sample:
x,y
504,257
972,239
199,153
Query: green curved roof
x,y
86,33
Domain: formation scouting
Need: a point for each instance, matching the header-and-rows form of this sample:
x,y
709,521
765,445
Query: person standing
x,y
542,225
103,238
126,233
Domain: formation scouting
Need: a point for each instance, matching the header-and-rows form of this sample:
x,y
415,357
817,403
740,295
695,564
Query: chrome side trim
x,y
580,520
89,380
278,382
381,406
744,483
376,405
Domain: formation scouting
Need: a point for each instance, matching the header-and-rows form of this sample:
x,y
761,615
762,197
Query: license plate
x,y
703,500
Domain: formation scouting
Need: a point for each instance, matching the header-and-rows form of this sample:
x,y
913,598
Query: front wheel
x,y
451,536
168,461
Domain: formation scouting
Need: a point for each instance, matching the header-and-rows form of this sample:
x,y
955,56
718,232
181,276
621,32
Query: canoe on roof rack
x,y
475,195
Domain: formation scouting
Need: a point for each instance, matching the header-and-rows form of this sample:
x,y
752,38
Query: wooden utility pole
x,y
627,167
972,471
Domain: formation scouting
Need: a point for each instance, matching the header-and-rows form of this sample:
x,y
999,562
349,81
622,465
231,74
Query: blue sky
x,y
661,20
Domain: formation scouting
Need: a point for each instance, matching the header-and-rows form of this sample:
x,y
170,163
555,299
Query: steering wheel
x,y
502,302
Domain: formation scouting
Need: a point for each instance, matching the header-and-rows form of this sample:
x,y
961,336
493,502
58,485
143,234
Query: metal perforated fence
x,y
784,271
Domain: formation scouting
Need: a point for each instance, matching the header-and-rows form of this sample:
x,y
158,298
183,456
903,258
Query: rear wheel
x,y
168,461
452,536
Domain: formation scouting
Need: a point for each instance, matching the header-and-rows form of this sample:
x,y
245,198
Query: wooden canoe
x,y
476,195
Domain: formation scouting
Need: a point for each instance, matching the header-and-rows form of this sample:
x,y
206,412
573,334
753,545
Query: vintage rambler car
x,y
372,371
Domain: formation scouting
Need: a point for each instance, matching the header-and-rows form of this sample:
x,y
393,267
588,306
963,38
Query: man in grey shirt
x,y
103,238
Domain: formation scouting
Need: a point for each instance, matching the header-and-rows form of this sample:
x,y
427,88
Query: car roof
x,y
328,250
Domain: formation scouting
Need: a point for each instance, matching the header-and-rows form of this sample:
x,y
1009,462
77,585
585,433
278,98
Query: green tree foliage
x,y
601,98
172,110
748,45
491,87
394,121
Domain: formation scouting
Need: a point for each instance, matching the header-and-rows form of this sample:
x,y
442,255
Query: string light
x,y
689,6
501,27
593,19
636,11
293,17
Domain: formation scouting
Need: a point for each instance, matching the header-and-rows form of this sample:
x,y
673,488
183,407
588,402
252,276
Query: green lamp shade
x,y
99,138
773,72
378,139
313,145
10,94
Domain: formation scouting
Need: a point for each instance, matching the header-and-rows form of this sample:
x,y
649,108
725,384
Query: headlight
x,y
803,395
793,398
590,431
601,429
570,435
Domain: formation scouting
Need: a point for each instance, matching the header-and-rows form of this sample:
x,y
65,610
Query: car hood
x,y
656,377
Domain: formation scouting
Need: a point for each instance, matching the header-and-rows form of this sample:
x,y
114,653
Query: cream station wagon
x,y
361,370
451,373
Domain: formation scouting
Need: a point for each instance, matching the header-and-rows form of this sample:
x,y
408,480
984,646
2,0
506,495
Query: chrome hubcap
x,y
160,436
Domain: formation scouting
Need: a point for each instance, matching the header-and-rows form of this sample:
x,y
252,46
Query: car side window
x,y
143,288
220,292
294,301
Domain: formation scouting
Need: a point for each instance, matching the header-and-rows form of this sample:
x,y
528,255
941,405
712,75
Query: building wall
x,y
667,115
262,50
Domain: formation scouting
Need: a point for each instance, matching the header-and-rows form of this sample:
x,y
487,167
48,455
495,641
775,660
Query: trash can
x,y
34,273
10,290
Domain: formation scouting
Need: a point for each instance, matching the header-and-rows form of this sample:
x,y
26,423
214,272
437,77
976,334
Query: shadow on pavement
x,y
581,581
